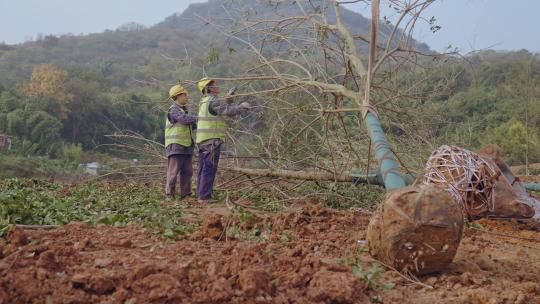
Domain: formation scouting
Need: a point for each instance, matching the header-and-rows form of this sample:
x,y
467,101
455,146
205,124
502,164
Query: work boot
x,y
205,202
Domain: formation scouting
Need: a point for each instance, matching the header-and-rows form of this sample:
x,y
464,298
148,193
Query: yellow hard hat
x,y
203,83
176,90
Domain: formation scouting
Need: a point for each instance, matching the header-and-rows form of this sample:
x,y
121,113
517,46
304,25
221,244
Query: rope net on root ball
x,y
466,176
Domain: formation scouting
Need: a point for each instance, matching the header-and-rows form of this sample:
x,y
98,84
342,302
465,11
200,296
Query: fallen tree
x,y
352,176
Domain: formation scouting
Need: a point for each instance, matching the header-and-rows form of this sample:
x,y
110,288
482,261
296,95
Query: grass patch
x,y
35,166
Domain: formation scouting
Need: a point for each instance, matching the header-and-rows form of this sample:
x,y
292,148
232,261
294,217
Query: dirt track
x,y
304,256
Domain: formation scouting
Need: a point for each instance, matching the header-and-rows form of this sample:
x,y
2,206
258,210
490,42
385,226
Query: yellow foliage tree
x,y
49,81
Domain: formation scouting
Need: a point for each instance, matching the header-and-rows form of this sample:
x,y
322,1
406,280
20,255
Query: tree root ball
x,y
416,229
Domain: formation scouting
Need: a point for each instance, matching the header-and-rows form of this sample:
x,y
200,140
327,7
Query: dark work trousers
x,y
208,165
183,164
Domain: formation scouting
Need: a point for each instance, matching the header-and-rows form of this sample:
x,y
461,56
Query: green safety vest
x,y
210,126
177,133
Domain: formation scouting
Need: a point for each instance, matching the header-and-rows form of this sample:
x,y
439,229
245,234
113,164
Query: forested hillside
x,y
61,93
490,97
101,83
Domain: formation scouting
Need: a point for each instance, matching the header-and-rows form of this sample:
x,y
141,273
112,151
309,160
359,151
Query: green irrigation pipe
x,y
376,178
391,177
532,186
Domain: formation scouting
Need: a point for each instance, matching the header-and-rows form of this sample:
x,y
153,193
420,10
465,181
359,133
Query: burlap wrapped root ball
x,y
416,229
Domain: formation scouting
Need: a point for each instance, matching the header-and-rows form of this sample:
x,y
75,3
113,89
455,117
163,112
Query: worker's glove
x,y
232,91
245,105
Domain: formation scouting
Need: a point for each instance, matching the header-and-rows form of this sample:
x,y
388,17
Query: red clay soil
x,y
299,257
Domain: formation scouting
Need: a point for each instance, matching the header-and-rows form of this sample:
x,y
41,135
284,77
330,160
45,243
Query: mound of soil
x,y
306,256
80,264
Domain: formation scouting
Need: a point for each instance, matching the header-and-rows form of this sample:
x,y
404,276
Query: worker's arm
x,y
177,116
224,107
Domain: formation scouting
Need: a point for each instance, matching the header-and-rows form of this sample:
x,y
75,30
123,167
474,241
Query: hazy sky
x,y
467,24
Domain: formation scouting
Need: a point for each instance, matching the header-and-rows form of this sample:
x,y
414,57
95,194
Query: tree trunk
x,y
303,175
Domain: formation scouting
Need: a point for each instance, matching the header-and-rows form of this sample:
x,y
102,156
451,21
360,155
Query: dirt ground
x,y
303,256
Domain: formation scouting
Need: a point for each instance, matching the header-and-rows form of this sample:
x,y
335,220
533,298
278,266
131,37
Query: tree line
x,y
58,109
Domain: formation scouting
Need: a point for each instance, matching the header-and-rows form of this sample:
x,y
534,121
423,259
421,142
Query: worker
x,y
179,143
211,133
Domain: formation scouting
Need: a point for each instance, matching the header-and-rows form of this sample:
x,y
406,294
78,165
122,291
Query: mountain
x,y
161,53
